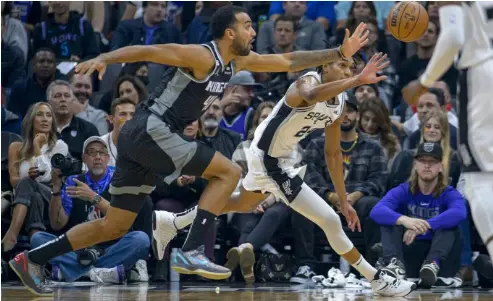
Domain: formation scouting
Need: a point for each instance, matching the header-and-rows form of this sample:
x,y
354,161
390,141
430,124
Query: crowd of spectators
x,y
402,171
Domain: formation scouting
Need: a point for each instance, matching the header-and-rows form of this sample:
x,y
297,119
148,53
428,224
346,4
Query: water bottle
x,y
173,275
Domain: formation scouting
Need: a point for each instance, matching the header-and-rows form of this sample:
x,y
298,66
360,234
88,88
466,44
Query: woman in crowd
x,y
131,83
435,128
30,171
374,122
256,228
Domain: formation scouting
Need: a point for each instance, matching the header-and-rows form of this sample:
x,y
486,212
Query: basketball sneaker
x,y
388,286
428,274
195,262
395,269
163,231
31,274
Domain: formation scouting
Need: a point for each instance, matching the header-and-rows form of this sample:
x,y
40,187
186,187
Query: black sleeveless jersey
x,y
181,99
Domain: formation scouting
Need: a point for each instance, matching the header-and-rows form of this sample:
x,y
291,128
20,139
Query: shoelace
x,y
304,270
46,280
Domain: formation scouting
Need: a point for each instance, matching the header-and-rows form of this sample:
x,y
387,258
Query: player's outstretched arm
x,y
333,157
194,57
309,91
300,60
449,43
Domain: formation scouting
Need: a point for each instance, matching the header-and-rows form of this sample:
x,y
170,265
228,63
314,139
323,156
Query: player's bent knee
x,y
111,230
330,222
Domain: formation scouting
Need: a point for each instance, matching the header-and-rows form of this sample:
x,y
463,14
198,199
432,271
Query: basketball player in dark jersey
x,y
150,146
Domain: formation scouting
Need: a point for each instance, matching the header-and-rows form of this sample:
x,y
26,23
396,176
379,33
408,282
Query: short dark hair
x,y
439,94
285,18
224,18
120,101
46,49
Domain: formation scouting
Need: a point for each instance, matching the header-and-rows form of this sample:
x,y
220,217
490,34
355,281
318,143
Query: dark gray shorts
x,y
148,151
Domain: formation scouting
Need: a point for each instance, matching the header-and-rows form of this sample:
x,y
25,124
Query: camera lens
x,y
58,161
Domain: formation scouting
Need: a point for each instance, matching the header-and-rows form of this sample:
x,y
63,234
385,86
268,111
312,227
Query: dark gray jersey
x,y
181,99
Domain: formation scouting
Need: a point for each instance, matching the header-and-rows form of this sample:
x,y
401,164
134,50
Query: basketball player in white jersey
x,y
314,101
467,31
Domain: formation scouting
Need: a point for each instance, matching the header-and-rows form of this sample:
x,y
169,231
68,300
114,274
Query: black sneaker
x,y
428,274
31,274
303,275
484,267
395,269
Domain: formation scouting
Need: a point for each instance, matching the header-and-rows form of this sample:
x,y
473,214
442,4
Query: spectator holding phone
x,y
30,171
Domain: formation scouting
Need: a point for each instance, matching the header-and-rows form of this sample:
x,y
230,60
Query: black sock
x,y
42,254
198,231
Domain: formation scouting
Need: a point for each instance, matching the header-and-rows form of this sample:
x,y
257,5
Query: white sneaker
x,y
163,231
114,275
139,273
388,286
335,279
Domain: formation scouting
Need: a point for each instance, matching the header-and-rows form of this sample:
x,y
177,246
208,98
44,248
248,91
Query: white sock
x,y
185,218
365,268
314,208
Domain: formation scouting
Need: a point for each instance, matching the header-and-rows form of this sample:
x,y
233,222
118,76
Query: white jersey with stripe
x,y
478,32
278,135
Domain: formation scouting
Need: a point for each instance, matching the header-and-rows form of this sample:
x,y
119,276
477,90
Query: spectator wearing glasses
x,y
85,198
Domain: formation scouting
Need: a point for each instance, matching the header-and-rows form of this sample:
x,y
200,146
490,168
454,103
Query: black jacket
x,y
132,32
74,38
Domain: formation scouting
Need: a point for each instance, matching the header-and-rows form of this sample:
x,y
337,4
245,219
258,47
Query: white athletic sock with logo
x,y
185,218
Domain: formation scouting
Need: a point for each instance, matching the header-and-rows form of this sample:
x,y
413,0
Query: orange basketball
x,y
407,21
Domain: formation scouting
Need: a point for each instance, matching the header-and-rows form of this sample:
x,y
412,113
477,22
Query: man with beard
x,y
215,136
238,95
420,222
315,101
365,172
151,147
33,89
82,87
73,130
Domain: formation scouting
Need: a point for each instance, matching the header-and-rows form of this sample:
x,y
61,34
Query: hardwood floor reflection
x,y
232,292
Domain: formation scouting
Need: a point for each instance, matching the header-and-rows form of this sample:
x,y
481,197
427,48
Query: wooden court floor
x,y
234,292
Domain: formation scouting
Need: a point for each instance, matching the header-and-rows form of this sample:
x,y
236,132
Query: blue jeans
x,y
127,251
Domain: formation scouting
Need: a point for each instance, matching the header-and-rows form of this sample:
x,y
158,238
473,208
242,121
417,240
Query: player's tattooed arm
x,y
300,60
308,90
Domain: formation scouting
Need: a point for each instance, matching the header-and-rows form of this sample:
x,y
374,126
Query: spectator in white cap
x,y
83,198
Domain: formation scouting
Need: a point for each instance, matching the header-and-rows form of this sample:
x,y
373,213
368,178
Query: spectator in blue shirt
x,y
320,11
420,222
151,29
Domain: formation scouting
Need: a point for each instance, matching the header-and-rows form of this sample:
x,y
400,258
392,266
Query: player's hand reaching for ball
x,y
377,63
95,64
351,216
358,39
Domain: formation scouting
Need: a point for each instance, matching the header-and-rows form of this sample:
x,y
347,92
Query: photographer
x,y
84,198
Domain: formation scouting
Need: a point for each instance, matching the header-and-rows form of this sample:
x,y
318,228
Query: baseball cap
x,y
243,78
351,100
93,139
431,149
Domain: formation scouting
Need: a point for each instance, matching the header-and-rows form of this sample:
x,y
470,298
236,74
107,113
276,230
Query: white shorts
x,y
273,175
476,117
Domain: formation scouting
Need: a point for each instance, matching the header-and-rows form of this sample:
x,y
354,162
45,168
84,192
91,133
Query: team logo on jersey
x,y
215,87
286,186
316,117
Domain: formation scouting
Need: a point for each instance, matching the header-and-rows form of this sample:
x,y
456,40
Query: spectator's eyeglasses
x,y
94,154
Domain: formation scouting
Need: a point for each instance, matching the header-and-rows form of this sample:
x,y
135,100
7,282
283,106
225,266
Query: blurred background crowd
x,y
48,110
